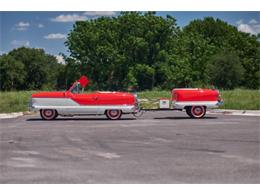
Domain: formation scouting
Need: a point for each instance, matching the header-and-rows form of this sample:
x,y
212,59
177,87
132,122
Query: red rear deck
x,y
195,95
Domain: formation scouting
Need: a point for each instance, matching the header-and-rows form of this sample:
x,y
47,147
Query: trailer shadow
x,y
182,118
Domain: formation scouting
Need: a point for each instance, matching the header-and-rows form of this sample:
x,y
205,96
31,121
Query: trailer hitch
x,y
141,111
138,113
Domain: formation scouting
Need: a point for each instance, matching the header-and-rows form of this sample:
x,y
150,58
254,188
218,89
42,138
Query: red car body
x,y
96,98
72,102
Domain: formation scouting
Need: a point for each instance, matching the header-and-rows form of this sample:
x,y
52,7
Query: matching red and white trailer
x,y
113,104
194,101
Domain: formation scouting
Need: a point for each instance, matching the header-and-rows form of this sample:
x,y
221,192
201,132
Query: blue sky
x,y
48,30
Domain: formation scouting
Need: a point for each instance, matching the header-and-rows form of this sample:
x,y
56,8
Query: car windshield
x,y
76,88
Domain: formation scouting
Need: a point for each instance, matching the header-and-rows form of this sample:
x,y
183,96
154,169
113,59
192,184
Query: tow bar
x,y
141,111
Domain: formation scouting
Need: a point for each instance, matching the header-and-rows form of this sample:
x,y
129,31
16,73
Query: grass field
x,y
15,101
240,99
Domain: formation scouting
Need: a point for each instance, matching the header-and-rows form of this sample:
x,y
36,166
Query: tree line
x,y
141,51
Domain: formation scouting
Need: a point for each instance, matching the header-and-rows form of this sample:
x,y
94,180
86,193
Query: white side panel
x,y
208,104
66,106
53,102
72,110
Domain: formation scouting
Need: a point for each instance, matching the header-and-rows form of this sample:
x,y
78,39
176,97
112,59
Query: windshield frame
x,y
75,88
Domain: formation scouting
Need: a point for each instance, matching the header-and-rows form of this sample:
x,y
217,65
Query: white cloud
x,y
60,59
246,28
22,26
81,17
40,25
99,13
253,21
257,28
239,22
55,36
17,43
69,18
252,27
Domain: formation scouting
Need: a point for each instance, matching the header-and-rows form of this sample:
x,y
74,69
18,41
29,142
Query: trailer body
x,y
182,98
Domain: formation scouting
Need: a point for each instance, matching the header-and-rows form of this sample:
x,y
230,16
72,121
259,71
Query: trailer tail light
x,y
174,95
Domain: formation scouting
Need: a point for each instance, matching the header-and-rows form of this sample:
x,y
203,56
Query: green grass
x,y
15,101
234,99
241,99
152,97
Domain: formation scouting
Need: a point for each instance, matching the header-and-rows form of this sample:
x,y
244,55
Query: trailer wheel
x,y
113,114
197,111
48,114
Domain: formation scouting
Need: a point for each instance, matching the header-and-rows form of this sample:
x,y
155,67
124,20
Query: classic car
x,y
74,102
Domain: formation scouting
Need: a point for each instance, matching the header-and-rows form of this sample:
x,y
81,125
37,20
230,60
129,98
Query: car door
x,y
87,103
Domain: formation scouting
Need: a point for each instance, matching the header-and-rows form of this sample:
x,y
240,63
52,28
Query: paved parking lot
x,y
161,147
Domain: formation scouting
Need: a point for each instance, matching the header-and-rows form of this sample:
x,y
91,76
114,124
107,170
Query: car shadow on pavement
x,y
181,118
78,119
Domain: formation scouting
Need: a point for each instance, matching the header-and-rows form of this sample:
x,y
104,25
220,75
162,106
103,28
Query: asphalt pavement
x,y
160,147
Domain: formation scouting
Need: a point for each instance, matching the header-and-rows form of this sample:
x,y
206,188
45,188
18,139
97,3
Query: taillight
x,y
174,96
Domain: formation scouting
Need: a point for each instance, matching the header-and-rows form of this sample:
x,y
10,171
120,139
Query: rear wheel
x,y
48,114
197,111
113,114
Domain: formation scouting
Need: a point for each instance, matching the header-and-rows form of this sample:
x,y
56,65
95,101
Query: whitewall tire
x,y
113,114
197,111
48,114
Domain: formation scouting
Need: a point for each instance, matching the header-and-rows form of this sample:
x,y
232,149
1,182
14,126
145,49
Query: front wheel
x,y
113,114
196,111
48,114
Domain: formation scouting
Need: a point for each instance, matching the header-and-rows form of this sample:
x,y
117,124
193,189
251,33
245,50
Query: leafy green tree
x,y
110,48
142,51
41,68
69,73
141,76
224,37
12,73
225,71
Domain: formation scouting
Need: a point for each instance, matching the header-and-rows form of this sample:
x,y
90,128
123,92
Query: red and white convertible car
x,y
72,102
114,104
